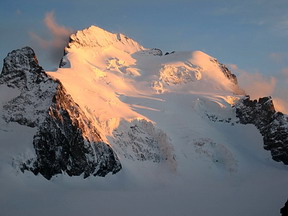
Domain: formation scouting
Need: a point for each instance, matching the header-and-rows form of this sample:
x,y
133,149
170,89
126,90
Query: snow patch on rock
x,y
217,153
141,140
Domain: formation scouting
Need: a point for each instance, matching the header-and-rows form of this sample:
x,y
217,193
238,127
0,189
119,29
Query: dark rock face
x,y
272,125
156,52
167,53
284,210
62,61
36,90
21,69
66,140
153,51
226,71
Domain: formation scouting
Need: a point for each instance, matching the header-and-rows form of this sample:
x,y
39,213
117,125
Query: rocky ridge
x,y
66,140
272,125
225,71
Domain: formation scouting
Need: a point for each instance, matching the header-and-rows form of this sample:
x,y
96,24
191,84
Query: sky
x,y
250,36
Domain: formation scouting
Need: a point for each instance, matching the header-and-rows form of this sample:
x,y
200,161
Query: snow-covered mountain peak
x,y
97,59
109,54
97,37
166,121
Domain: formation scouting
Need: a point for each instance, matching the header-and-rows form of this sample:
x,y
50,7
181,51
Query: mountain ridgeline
x,y
76,139
173,133
65,140
272,125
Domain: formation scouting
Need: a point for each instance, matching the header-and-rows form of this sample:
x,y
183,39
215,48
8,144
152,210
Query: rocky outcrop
x,y
154,51
226,71
22,72
272,125
141,140
66,140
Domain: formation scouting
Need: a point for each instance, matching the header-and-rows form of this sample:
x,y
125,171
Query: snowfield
x,y
170,120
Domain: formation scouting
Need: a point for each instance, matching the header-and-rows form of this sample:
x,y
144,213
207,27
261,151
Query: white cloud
x,y
59,38
258,85
280,105
232,66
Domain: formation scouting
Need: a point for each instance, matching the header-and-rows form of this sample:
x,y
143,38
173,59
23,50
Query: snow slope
x,y
170,120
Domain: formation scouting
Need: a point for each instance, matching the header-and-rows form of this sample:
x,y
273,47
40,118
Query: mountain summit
x,y
172,128
99,38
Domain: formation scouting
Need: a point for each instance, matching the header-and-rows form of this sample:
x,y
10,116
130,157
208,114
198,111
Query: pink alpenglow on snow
x,y
164,130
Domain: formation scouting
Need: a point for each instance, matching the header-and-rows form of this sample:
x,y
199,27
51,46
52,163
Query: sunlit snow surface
x,y
209,163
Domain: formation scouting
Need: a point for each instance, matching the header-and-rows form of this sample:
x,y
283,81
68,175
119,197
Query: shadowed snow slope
x,y
169,119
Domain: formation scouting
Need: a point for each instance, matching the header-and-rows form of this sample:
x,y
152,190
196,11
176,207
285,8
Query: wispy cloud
x,y
59,36
280,104
258,85
233,67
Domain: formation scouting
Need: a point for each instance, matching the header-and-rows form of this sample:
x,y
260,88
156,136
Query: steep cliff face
x,y
272,125
66,140
36,90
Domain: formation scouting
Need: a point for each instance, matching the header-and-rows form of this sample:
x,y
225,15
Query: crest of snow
x,y
110,77
184,72
97,37
104,66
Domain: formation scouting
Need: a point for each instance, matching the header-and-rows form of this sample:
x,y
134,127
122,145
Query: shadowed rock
x,y
272,125
66,140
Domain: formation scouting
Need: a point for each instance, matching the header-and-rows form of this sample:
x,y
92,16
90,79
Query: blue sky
x,y
250,34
